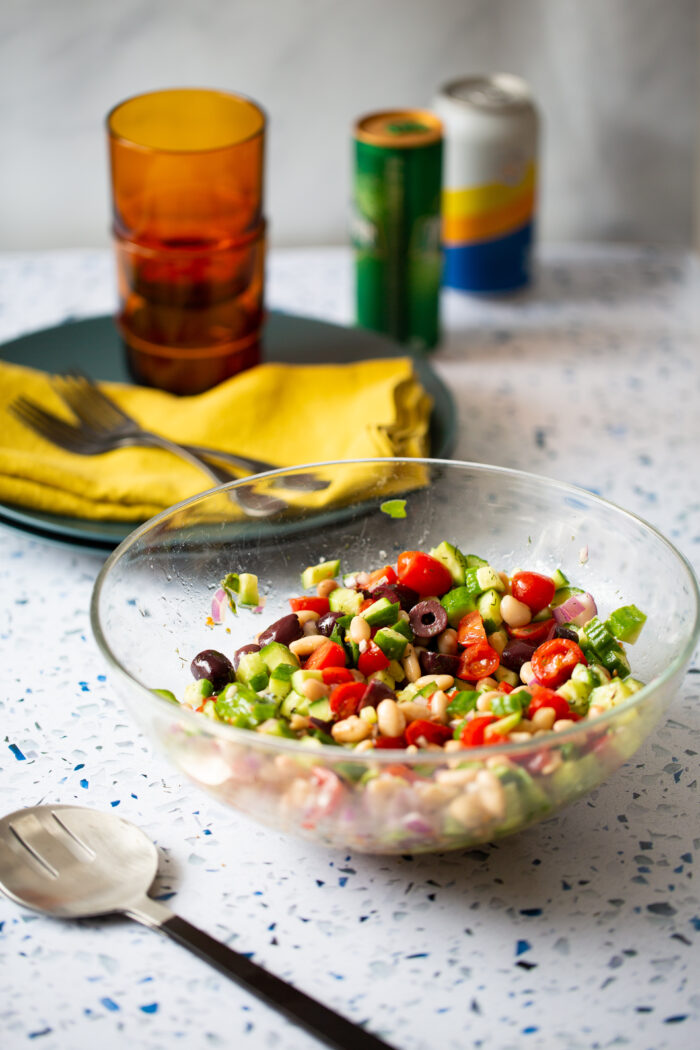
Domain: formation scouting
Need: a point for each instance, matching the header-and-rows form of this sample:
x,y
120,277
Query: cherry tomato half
x,y
532,632
371,660
535,590
336,675
431,731
385,575
473,732
553,661
328,654
477,661
423,573
345,698
319,605
471,630
390,741
544,697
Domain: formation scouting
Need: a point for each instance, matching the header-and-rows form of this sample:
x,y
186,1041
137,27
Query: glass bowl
x,y
151,614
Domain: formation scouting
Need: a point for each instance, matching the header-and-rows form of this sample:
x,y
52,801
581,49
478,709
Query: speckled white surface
x,y
582,932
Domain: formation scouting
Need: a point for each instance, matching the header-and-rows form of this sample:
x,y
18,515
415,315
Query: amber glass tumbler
x,y
189,231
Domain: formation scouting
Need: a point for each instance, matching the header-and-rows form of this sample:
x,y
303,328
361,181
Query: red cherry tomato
x,y
477,661
385,575
532,632
336,675
433,733
423,573
503,687
471,630
473,732
553,661
371,660
535,590
390,741
328,654
544,697
345,698
319,605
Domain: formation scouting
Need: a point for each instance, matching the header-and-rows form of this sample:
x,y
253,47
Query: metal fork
x,y
100,414
84,442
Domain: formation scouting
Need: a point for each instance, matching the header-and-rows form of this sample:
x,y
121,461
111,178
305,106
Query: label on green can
x,y
396,226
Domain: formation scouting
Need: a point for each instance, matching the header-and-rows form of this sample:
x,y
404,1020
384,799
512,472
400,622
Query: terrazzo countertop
x,y
582,932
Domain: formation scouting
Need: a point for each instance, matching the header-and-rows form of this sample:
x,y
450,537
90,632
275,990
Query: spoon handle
x,y
319,1020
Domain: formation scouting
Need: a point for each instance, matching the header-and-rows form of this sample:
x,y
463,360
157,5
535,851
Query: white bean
x,y
351,730
390,718
360,630
307,645
515,613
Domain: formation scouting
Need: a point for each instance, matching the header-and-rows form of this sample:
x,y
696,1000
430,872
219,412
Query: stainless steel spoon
x,y
71,862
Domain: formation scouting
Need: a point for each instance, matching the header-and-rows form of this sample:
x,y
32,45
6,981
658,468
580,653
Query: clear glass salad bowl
x,y
151,615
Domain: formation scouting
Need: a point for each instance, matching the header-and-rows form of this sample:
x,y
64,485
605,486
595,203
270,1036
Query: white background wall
x,y
616,82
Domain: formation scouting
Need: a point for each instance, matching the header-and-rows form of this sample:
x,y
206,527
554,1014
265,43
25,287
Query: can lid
x,y
499,92
399,128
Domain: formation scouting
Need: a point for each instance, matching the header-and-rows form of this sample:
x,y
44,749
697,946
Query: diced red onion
x,y
219,604
416,823
578,609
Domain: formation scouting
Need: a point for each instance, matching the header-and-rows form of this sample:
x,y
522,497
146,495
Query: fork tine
x,y
53,429
86,392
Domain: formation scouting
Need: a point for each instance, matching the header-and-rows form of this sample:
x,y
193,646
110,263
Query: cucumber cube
x,y
626,623
489,606
275,655
488,579
453,560
457,603
252,671
381,613
344,600
391,642
325,570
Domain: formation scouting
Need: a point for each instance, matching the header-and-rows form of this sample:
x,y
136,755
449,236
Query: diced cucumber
x,y
294,703
381,613
299,677
283,672
489,606
502,674
252,671
197,691
241,587
321,709
279,687
453,560
576,693
391,642
559,579
276,727
352,651
325,570
609,651
463,702
166,694
382,676
457,603
488,579
471,582
611,694
474,561
403,627
345,600
542,615
626,623
510,703
504,726
277,655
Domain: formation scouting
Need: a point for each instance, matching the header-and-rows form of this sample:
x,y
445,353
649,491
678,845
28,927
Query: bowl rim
x,y
332,753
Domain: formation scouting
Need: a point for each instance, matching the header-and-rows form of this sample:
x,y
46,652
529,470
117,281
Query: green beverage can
x,y
396,224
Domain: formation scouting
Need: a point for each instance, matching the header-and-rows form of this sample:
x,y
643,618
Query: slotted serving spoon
x,y
71,862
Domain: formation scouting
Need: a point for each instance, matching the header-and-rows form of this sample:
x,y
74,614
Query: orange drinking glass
x,y
189,232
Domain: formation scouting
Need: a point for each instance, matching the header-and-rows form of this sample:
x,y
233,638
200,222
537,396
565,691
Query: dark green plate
x,y
94,346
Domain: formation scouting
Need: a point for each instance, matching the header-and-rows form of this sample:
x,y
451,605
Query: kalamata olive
x,y
252,648
395,592
326,623
560,631
428,619
285,630
516,653
322,724
214,666
374,694
438,663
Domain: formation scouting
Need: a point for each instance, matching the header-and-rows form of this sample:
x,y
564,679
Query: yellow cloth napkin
x,y
285,414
